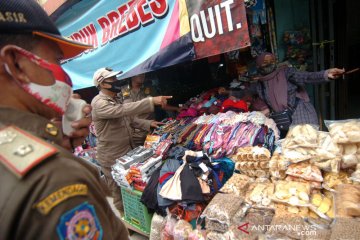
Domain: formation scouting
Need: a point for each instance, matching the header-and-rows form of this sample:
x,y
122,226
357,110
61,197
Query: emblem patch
x,y
80,223
55,198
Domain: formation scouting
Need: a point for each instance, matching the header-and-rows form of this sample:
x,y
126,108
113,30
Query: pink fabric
x,y
190,112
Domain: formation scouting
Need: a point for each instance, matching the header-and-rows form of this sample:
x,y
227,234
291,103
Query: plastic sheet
x,y
168,231
182,229
157,225
220,211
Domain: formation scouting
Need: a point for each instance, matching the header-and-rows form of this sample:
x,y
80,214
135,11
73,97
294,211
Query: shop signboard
x,y
145,35
217,26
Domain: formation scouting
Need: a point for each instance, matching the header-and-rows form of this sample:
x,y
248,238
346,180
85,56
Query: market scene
x,y
180,119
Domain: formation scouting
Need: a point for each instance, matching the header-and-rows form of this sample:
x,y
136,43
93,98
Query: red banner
x,y
217,26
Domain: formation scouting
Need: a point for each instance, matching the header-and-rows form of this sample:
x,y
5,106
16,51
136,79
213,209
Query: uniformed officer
x,y
46,193
115,121
138,90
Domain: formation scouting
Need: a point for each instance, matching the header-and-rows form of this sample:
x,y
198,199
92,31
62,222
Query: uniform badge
x,y
80,222
147,91
20,151
51,129
126,93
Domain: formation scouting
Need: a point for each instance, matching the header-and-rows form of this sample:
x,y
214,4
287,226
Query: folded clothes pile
x,y
222,134
188,177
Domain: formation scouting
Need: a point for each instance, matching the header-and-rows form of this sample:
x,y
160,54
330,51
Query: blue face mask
x,y
269,68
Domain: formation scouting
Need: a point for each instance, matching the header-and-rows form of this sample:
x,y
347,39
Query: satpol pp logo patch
x,y
80,223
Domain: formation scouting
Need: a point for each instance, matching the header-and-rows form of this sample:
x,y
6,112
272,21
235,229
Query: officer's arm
x,y
106,110
141,123
171,108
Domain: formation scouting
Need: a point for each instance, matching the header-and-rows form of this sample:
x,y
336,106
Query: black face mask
x,y
265,70
115,86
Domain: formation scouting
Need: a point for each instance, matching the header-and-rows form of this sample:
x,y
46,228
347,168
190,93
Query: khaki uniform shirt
x,y
139,135
60,197
114,123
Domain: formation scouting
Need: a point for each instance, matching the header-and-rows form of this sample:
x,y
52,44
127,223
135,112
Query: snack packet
x,y
306,171
344,131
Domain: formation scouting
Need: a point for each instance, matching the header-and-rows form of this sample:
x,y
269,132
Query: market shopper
x,y
46,193
282,89
115,122
138,91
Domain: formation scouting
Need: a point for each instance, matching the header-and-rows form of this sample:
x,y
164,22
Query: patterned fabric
x,y
250,3
305,111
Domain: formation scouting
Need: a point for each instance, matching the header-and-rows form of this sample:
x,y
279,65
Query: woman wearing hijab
x,y
283,90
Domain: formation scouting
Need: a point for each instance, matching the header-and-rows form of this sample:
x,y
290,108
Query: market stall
x,y
219,170
226,175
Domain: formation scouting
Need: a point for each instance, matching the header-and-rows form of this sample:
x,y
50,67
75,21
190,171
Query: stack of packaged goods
x,y
311,187
141,172
134,169
253,161
121,171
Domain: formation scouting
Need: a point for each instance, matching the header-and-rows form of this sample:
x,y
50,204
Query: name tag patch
x,y
54,199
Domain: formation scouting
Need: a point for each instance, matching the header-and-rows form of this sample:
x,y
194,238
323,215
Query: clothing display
x,y
221,134
220,162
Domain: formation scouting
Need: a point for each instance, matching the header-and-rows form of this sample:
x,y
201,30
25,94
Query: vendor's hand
x,y
81,128
334,73
266,112
161,100
155,124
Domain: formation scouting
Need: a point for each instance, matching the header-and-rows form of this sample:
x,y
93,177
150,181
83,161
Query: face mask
x,y
265,70
55,96
116,86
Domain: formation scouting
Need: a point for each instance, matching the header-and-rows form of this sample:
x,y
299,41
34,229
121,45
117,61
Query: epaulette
x,y
21,151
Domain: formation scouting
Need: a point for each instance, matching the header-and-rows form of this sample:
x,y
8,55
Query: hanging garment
x,y
149,196
170,166
259,12
190,187
172,188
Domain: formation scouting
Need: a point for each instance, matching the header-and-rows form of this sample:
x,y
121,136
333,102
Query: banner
x,y
217,26
139,36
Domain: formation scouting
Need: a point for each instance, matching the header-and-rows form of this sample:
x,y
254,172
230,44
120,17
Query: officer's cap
x,y
27,16
104,73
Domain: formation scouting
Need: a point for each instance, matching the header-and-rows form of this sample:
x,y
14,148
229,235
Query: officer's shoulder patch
x,y
147,91
47,204
80,222
20,151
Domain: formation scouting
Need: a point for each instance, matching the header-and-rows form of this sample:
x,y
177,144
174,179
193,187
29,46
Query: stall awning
x,y
145,35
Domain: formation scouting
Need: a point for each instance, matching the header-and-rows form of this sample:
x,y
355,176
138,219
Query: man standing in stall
x,y
115,121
